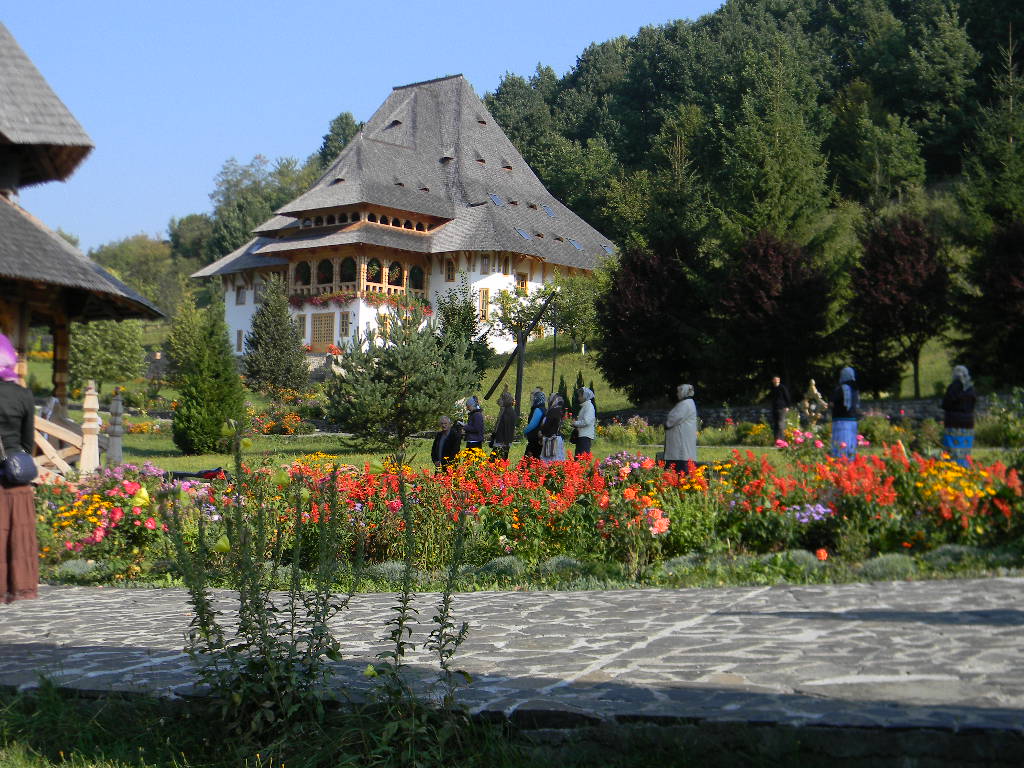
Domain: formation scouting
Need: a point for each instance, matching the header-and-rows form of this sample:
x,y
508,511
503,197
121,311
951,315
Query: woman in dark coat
x,y
447,442
505,428
958,407
534,440
474,424
554,446
19,551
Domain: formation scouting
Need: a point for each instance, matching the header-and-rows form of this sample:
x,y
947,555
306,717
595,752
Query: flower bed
x,y
627,509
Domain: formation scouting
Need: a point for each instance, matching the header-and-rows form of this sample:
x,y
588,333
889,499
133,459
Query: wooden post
x,y
115,430
90,459
521,347
61,350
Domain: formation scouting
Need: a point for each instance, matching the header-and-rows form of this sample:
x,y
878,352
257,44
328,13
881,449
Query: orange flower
x,y
630,493
822,554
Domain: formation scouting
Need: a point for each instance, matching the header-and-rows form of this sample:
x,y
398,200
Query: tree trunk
x,y
916,360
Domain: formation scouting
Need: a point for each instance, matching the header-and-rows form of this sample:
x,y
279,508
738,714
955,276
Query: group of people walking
x,y
543,431
958,406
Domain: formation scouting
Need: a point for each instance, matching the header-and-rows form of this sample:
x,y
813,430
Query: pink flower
x,y
116,513
781,444
394,505
799,441
818,444
131,487
68,545
136,511
150,523
137,522
842,445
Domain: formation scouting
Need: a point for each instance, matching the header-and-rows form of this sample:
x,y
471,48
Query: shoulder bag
x,y
16,468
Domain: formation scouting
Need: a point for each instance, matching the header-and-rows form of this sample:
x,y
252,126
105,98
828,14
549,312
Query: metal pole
x,y
554,356
521,348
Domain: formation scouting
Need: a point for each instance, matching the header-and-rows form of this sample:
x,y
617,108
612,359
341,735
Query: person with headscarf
x,y
19,551
534,440
845,413
681,430
958,407
447,441
474,434
585,422
505,427
550,430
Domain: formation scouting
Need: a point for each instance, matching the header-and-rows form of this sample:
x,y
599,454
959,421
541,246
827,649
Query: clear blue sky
x,y
170,90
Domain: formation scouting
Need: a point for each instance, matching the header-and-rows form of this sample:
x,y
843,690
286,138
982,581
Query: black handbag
x,y
17,468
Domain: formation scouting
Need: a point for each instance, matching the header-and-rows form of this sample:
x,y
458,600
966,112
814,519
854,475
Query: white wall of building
x,y
486,272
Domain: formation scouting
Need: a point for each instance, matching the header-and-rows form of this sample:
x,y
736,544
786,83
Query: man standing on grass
x,y
779,397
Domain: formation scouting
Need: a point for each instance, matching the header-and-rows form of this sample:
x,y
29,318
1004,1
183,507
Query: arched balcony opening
x,y
302,273
325,272
395,274
416,278
374,272
347,270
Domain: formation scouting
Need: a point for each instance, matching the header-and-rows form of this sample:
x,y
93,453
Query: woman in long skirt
x,y
845,413
19,551
958,407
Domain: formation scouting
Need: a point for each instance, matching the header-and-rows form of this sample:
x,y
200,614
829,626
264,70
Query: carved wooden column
x,y
90,459
61,349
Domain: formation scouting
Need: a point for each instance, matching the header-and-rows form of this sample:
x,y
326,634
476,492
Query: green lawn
x,y
537,372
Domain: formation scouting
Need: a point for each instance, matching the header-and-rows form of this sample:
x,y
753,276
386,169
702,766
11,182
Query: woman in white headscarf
x,y
958,406
845,413
681,430
586,422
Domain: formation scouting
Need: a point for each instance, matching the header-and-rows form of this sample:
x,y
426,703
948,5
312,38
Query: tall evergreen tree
x,y
274,357
994,313
342,130
992,193
211,390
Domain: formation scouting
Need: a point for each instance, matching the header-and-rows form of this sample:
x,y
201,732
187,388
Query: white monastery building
x,y
429,189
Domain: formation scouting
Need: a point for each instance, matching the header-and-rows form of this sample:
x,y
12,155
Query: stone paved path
x,y
947,654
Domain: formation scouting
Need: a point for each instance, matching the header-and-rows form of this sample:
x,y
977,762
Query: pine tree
x,y
563,389
183,341
579,381
398,382
210,389
274,356
994,314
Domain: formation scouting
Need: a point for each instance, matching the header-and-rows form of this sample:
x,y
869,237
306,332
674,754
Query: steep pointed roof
x,y
433,149
39,138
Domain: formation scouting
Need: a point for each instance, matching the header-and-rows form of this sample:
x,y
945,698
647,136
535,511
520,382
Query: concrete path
x,y
934,654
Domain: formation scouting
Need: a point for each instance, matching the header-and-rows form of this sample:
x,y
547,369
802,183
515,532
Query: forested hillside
x,y
793,183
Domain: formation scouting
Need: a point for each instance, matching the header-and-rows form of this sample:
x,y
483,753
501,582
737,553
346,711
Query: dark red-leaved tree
x,y
994,317
773,310
902,284
650,319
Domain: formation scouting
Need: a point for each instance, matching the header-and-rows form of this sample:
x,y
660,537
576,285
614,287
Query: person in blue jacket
x,y
534,439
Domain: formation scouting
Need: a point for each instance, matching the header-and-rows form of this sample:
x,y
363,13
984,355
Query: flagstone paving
x,y
934,654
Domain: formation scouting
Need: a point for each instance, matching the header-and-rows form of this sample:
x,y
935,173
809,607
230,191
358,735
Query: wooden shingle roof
x,y
39,138
432,149
32,253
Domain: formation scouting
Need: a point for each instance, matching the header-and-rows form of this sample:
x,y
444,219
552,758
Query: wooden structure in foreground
x,y
44,280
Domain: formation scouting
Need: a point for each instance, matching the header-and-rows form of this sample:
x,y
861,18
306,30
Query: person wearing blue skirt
x,y
958,407
845,413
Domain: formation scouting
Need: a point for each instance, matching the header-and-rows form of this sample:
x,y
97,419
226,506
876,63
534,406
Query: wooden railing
x,y
61,442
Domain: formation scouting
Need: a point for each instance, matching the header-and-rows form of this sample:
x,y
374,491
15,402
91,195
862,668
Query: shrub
x,y
944,556
748,433
877,428
211,391
889,567
506,567
559,565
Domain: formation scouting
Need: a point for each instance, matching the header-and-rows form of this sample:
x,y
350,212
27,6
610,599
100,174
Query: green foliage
x,y
211,391
342,130
889,567
460,326
274,355
105,351
574,306
149,266
398,382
